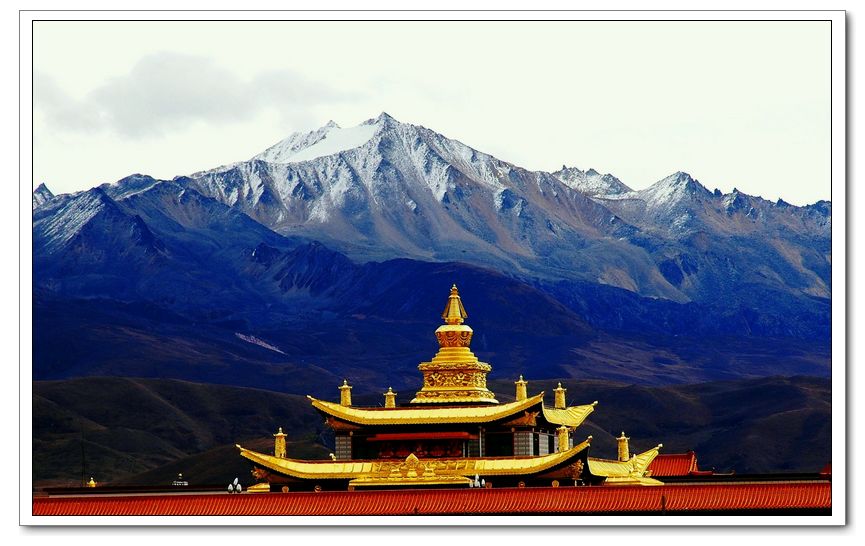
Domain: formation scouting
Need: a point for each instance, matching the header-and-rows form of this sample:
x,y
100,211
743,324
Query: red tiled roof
x,y
674,464
561,500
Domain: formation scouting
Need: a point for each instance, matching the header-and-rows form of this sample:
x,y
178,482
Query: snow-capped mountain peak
x,y
672,189
591,182
282,151
129,186
41,194
330,139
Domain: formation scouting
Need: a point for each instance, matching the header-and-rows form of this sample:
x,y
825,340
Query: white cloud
x,y
167,91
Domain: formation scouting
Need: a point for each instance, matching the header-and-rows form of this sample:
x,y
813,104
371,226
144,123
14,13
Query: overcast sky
x,y
735,104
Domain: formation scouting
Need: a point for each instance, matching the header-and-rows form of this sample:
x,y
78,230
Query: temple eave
x,y
413,468
426,414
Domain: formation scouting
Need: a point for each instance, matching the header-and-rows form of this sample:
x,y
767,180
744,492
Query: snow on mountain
x,y
58,227
91,228
387,189
256,341
41,194
128,186
679,206
591,182
673,190
334,139
284,149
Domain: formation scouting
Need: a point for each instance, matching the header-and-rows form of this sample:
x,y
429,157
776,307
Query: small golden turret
x,y
92,482
522,392
563,437
345,393
454,375
390,398
279,444
624,449
559,402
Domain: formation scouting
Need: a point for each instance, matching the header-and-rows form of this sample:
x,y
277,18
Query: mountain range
x,y
339,239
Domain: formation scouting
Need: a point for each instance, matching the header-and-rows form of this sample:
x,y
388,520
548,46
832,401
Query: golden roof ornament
x,y
559,401
345,393
279,444
522,391
563,436
454,375
624,451
390,398
454,312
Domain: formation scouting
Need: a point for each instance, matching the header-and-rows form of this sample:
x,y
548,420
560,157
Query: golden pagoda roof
x,y
634,470
571,417
412,470
425,414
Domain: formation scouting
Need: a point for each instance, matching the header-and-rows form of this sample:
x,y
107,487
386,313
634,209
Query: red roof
x,y
547,500
674,464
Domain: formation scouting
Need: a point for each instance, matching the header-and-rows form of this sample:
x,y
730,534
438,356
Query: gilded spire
x,y
279,444
390,398
454,375
345,393
454,312
563,437
624,451
559,401
522,392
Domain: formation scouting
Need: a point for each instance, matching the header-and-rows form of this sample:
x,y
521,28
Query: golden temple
x,y
454,432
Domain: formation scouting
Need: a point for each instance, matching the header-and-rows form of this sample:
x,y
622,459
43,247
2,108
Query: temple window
x,y
523,442
543,443
343,447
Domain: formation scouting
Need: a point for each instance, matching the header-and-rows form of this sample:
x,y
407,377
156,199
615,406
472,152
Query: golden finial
x,y
345,393
390,398
559,402
563,438
279,444
522,391
624,450
454,312
92,482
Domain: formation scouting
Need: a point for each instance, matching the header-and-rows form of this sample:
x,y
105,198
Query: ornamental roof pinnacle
x,y
454,312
